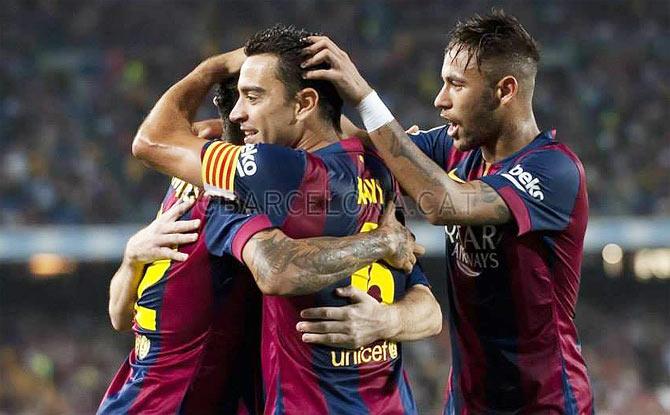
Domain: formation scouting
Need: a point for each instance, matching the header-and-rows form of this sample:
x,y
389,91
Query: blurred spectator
x,y
77,80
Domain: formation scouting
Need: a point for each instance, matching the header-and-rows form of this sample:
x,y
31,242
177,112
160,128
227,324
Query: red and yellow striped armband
x,y
219,162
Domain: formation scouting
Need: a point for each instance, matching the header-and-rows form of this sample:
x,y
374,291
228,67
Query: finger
x,y
419,250
335,340
181,226
389,213
324,313
177,210
167,253
176,239
319,58
321,75
354,294
407,267
322,327
413,129
204,133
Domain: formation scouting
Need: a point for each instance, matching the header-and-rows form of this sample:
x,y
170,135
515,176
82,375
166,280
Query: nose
x,y
238,114
442,100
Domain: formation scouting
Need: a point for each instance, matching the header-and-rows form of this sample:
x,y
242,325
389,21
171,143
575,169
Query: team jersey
x,y
196,326
338,190
513,287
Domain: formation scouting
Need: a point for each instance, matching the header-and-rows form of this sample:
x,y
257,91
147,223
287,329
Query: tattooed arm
x,y
442,200
285,266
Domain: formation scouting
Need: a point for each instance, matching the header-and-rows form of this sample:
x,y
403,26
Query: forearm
x,y
122,295
286,266
165,140
443,200
416,316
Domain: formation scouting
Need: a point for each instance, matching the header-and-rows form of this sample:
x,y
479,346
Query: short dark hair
x,y
498,42
225,97
287,42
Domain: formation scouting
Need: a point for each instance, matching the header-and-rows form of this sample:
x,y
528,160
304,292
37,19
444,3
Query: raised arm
x,y
285,266
167,140
148,245
443,200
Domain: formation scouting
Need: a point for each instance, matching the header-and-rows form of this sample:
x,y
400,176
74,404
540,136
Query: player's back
x,y
196,329
338,190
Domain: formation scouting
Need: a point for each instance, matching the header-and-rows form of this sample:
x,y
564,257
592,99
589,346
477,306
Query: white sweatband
x,y
373,112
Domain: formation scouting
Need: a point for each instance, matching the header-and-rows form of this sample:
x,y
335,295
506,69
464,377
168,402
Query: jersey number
x,y
375,279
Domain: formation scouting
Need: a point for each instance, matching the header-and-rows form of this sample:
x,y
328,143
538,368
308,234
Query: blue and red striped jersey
x,y
513,287
197,325
338,190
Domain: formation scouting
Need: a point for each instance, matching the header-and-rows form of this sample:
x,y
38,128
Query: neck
x,y
513,137
317,137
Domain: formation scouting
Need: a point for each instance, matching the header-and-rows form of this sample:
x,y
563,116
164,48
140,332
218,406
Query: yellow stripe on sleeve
x,y
218,180
230,169
208,160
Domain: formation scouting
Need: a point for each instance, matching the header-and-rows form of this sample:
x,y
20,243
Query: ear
x,y
307,101
507,89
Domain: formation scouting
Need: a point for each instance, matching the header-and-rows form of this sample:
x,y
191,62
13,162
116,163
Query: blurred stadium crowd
x,y
77,84
77,77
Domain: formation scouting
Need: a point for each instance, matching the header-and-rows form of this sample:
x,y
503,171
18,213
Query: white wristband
x,y
373,112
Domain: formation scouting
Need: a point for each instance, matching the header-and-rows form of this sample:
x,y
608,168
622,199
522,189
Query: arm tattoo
x,y
314,263
439,197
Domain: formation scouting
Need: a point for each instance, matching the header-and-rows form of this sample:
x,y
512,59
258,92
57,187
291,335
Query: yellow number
x,y
375,275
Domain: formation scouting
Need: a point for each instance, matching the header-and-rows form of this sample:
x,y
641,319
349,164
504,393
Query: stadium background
x,y
77,77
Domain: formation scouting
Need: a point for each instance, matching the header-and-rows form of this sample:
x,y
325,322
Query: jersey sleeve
x,y
260,176
435,143
417,276
227,230
540,190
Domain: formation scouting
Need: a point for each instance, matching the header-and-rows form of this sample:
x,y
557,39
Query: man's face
x,y
262,110
467,102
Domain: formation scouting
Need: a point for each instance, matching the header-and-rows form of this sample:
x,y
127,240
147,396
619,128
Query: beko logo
x,y
524,181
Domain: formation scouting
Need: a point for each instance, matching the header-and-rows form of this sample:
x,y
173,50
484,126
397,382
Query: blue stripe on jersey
x,y
406,397
279,406
121,401
347,400
568,394
499,340
343,197
454,403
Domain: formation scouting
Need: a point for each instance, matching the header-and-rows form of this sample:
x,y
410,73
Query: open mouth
x,y
249,135
453,129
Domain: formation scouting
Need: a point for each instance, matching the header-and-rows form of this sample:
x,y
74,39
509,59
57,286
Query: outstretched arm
x,y
167,140
416,316
285,266
443,200
148,245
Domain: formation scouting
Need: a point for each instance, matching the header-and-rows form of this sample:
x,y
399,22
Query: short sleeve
x,y
540,190
417,277
435,143
253,172
227,231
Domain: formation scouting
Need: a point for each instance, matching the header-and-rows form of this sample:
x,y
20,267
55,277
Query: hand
x,y
222,66
404,248
341,70
413,129
208,129
156,240
352,326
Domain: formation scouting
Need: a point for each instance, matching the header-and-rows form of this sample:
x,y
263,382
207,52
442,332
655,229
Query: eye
x,y
251,98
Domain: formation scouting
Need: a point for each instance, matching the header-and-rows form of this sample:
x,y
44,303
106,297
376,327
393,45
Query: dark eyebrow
x,y
247,89
452,77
